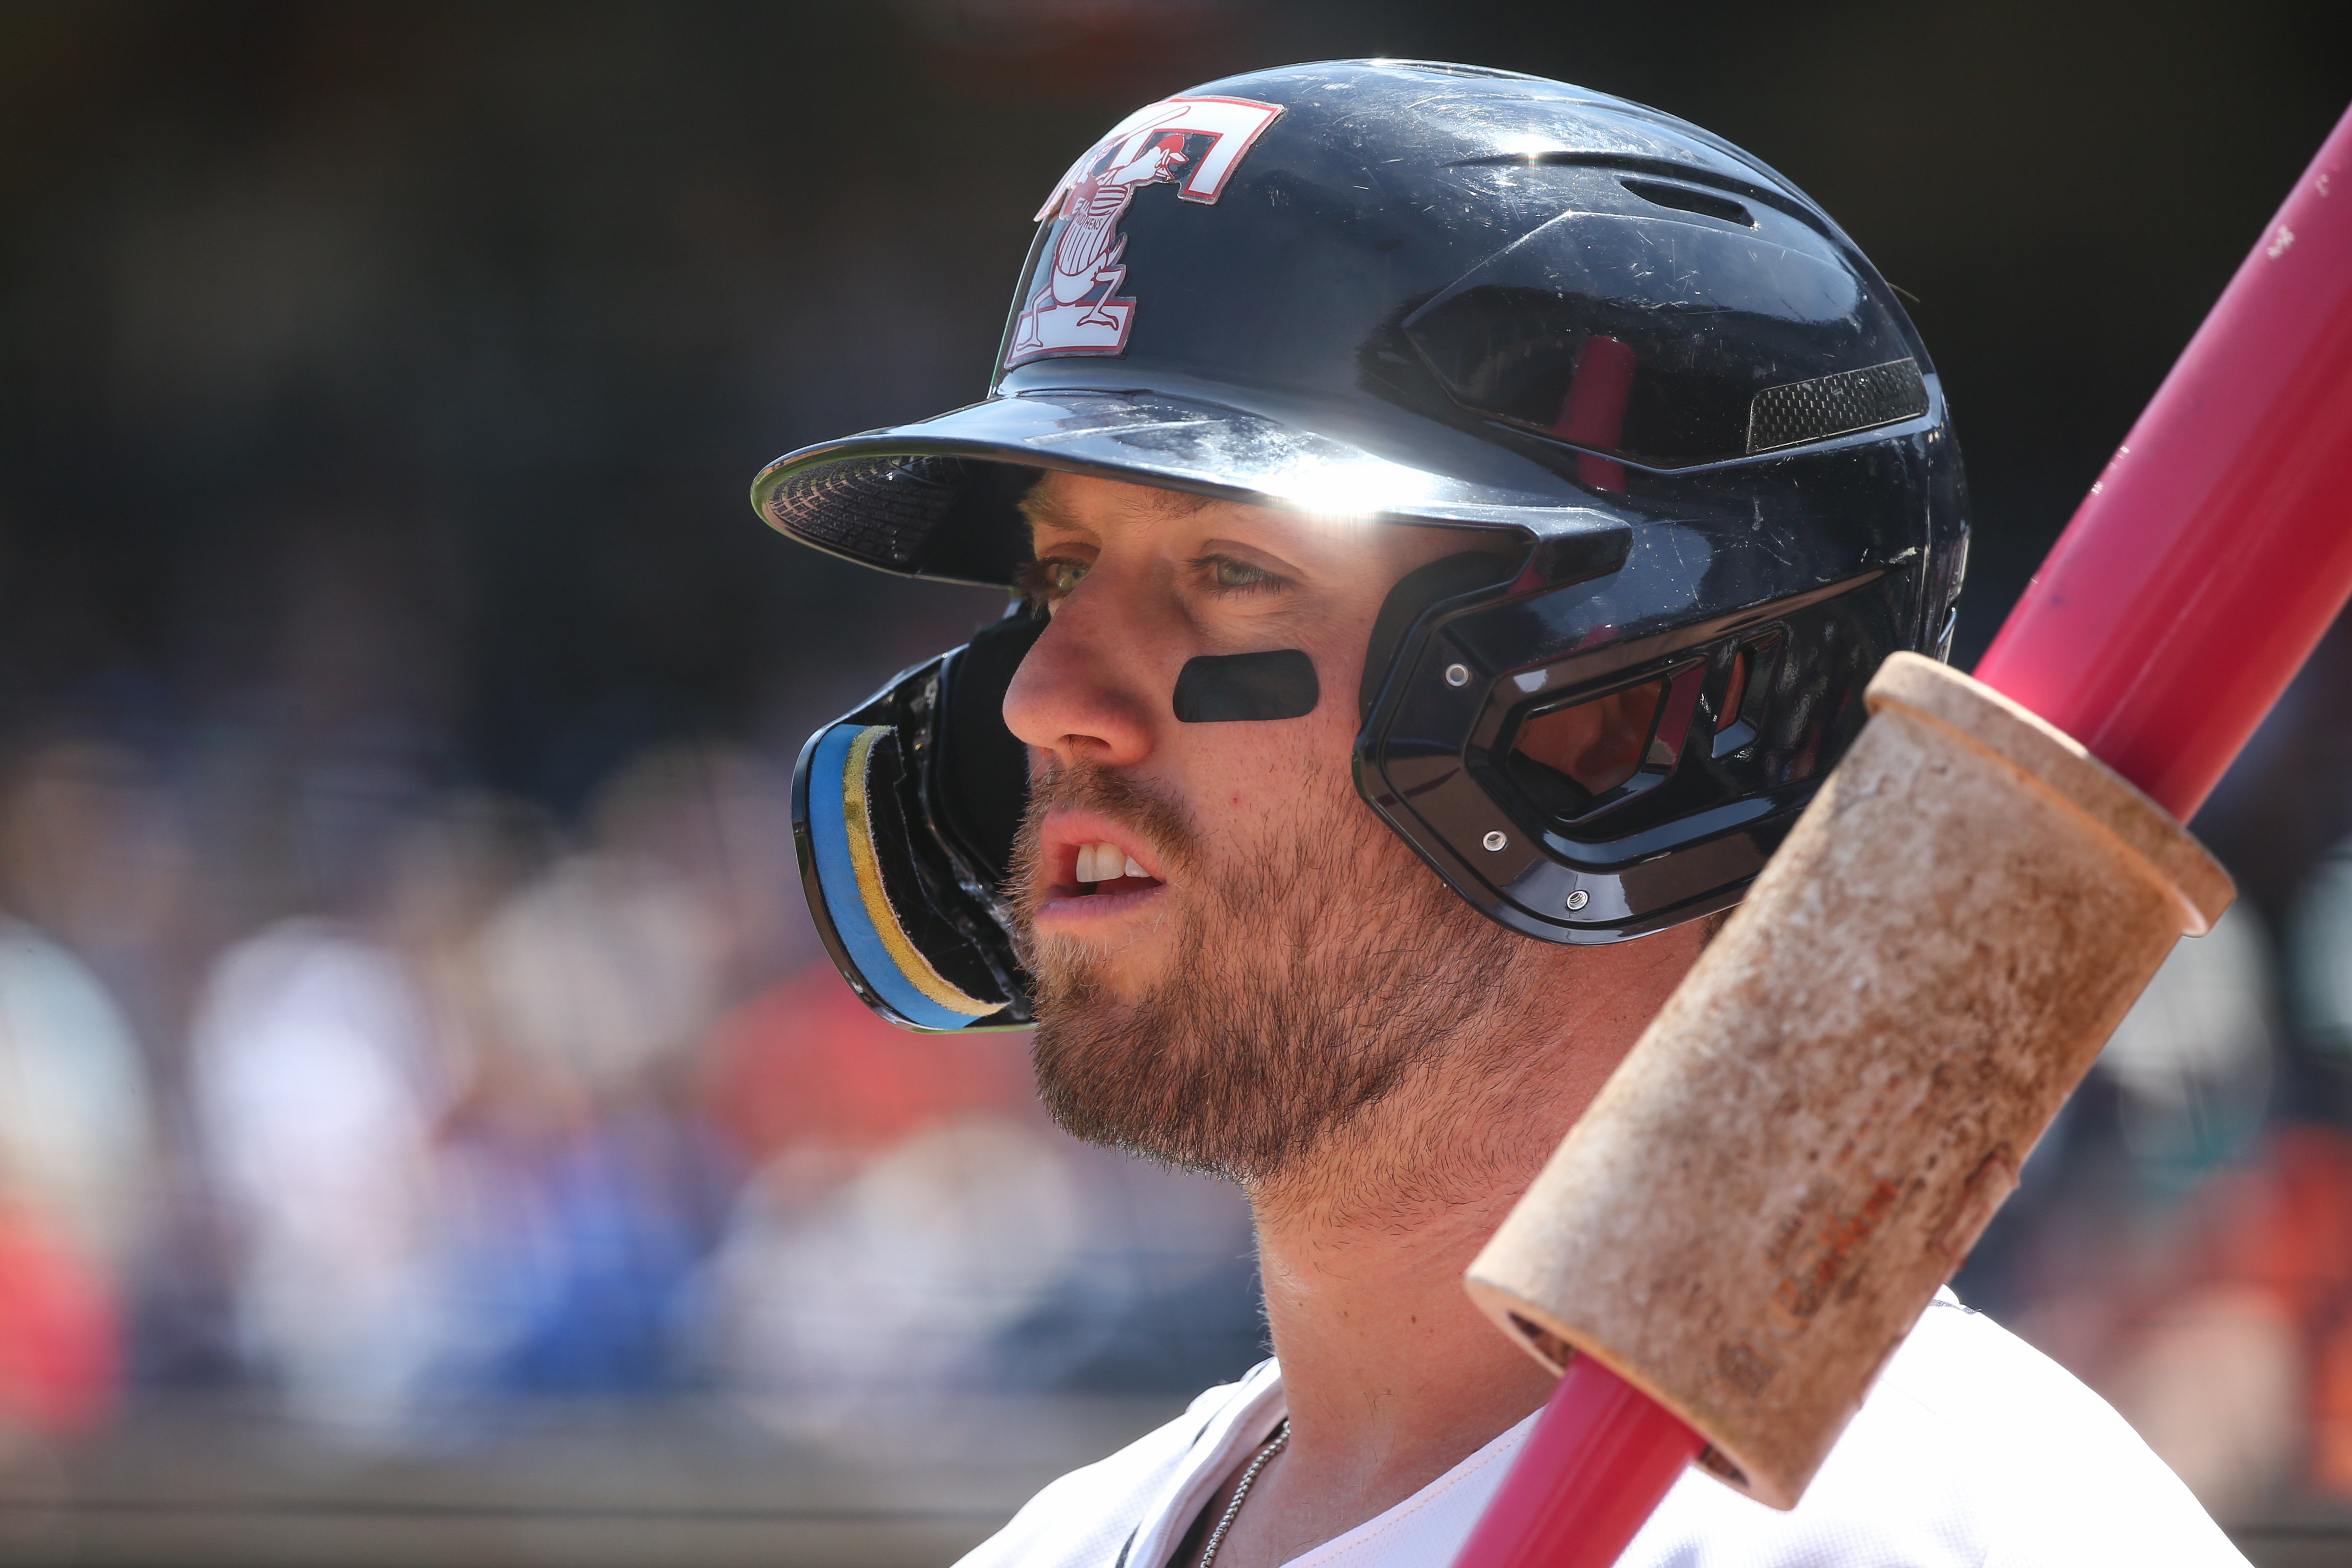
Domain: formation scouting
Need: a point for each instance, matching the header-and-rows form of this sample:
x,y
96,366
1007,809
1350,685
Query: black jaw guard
x,y
1727,760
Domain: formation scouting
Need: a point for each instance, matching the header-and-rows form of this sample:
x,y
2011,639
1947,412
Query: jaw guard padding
x,y
1815,1129
869,890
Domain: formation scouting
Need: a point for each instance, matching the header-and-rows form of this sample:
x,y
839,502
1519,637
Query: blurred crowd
x,y
488,1105
2182,1239
407,1009
513,1109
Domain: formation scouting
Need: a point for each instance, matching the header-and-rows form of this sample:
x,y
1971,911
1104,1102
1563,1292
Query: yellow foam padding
x,y
903,952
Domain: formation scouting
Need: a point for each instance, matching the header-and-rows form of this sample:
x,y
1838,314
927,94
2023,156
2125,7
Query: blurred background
x,y
429,1129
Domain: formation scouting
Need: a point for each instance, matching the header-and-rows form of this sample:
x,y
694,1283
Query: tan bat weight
x,y
1810,1137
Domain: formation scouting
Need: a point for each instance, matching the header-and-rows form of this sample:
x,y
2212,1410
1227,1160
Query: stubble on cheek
x,y
1309,969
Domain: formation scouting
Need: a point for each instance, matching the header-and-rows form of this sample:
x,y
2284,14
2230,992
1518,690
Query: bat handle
x,y
1602,1456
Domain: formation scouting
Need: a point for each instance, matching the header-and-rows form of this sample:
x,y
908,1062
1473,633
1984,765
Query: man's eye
x,y
1051,579
1228,574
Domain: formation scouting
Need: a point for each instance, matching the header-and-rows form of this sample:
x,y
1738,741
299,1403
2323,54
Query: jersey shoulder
x,y
2052,1474
1973,1451
1093,1516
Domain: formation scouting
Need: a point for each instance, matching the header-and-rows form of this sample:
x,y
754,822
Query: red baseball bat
x,y
2206,564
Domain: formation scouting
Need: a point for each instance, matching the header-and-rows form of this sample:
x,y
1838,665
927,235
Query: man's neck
x,y
1392,1377
1391,1374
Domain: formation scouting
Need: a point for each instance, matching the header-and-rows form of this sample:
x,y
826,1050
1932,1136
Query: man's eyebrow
x,y
1177,503
1043,508
1044,512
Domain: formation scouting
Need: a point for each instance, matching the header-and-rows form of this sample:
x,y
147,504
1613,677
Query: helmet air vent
x,y
1839,405
1667,344
1657,193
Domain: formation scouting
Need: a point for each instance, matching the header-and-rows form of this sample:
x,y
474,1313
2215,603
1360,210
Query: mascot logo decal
x,y
1192,143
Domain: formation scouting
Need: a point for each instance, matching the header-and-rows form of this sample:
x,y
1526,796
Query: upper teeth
x,y
1105,862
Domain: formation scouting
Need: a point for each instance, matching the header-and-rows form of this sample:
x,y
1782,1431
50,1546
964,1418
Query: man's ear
x,y
1415,592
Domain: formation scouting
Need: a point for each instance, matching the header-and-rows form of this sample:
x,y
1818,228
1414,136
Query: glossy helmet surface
x,y
1429,293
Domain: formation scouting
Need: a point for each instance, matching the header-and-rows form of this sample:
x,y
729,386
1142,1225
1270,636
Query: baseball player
x,y
1451,516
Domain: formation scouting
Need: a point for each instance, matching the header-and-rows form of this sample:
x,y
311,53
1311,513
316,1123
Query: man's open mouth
x,y
1108,868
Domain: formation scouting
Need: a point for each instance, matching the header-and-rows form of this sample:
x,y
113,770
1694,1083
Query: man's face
x,y
1282,962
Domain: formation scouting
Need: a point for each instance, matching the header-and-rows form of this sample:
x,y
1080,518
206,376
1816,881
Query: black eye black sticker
x,y
1217,689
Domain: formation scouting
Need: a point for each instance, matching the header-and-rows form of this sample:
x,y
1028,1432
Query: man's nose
x,y
1081,693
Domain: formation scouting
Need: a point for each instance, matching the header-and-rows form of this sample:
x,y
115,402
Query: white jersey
x,y
1973,1451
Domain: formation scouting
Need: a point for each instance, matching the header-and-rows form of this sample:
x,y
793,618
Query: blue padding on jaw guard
x,y
846,900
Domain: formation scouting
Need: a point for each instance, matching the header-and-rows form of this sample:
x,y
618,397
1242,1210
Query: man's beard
x,y
1313,975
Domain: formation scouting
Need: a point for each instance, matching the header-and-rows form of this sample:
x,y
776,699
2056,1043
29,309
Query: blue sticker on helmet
x,y
850,877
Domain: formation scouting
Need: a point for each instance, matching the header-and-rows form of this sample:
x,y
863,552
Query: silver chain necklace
x,y
1249,1479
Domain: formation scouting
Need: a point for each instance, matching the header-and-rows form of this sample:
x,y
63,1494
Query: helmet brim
x,y
939,498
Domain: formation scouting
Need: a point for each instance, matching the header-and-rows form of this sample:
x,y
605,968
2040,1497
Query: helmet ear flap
x,y
1447,577
905,811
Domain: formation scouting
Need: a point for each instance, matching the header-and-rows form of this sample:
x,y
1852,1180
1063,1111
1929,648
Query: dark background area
x,y
380,386
409,361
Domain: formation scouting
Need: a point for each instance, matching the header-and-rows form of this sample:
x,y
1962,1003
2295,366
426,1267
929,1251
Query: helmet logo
x,y
1192,143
